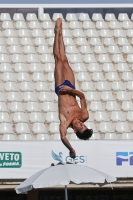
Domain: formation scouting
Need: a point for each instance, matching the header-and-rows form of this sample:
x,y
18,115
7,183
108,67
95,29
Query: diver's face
x,y
78,125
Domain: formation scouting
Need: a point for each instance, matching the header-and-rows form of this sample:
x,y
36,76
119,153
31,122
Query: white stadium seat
x,y
108,67
20,25
29,50
43,137
123,67
87,86
117,85
110,136
98,76
129,85
52,117
83,76
25,137
39,128
23,76
127,105
9,33
38,76
92,96
97,17
5,67
14,49
41,86
96,106
127,25
71,17
45,96
31,17
88,25
118,33
123,17
130,116
122,127
5,17
106,96
16,107
18,17
8,76
102,86
34,25
47,25
29,96
6,128
13,96
32,107
110,17
93,67
2,97
123,96
117,116
36,117
43,49
3,107
127,136
23,33
19,117
7,25
84,17
8,137
22,128
10,86
26,86
111,105
56,16
101,116
101,25
54,128
114,25
105,127
48,106
45,17
92,33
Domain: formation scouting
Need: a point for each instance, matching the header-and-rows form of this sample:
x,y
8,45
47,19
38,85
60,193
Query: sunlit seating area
x,y
100,52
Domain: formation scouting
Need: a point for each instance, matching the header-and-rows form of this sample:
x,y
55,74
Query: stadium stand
x,y
100,53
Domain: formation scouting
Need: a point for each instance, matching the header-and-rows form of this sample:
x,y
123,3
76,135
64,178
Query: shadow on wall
x,y
64,11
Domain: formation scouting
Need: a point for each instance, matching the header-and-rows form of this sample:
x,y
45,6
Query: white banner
x,y
22,159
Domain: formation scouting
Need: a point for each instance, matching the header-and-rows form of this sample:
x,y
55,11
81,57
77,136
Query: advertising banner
x,y
22,159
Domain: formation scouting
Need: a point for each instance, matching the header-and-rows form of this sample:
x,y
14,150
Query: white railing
x,y
41,7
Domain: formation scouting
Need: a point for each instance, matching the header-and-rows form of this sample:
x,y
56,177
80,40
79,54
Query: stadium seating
x,y
100,53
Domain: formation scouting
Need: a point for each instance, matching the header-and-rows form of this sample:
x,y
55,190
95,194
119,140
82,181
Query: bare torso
x,y
68,108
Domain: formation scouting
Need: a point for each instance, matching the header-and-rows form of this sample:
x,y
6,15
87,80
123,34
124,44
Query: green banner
x,y
10,159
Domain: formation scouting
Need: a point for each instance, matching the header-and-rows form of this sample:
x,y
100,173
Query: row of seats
x,y
95,136
50,106
73,58
48,96
39,128
77,67
72,25
37,116
76,33
69,17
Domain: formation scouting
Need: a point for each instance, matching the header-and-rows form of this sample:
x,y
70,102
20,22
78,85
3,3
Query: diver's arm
x,y
65,140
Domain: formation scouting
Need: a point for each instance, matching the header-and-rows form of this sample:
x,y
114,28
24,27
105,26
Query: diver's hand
x,y
72,153
65,90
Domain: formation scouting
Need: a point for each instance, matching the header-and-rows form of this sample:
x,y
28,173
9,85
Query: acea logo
x,y
59,157
10,159
122,157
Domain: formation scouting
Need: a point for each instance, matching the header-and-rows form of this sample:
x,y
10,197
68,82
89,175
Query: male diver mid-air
x,y
70,114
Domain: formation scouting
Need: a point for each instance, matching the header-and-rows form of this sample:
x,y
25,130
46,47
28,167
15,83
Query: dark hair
x,y
85,135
